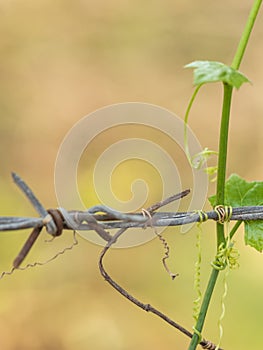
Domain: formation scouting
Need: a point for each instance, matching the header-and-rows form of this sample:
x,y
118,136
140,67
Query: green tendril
x,y
223,308
224,213
197,274
199,334
227,257
198,160
186,123
211,171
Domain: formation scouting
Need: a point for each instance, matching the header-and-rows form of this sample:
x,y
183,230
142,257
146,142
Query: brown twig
x,y
146,307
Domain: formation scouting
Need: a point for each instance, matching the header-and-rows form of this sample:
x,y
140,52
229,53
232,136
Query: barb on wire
x,y
51,226
168,200
53,219
26,247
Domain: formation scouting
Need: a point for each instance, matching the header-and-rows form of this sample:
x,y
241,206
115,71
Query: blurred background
x,y
61,60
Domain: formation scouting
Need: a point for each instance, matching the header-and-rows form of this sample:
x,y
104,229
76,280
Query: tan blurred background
x,y
61,60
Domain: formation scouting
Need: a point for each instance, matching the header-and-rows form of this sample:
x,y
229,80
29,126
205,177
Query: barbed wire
x,y
101,218
74,219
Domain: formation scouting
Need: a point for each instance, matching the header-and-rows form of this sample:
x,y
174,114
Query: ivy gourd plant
x,y
232,192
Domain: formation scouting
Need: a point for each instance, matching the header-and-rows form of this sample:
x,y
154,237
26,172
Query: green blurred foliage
x,y
61,60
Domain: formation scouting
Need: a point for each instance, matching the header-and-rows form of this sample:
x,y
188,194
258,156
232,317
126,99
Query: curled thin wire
x,y
39,263
165,244
166,255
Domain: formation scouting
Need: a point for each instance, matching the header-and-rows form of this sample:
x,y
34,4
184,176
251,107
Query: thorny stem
x,y
222,157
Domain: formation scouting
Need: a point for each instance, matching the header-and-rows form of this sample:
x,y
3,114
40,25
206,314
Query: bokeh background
x,y
61,60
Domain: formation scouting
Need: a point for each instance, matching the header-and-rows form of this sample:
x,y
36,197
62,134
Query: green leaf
x,y
254,234
239,193
212,71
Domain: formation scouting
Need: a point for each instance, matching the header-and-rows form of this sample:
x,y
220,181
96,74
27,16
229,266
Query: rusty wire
x,y
101,218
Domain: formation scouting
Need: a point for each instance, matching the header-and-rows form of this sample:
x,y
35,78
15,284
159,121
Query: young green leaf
x,y
254,234
238,193
212,71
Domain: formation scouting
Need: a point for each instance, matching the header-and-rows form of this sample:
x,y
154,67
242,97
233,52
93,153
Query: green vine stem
x,y
222,158
246,34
